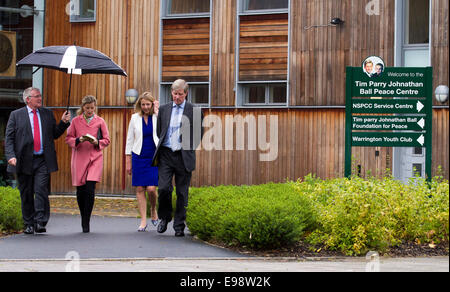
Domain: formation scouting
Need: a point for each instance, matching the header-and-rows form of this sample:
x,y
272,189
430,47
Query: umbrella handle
x,y
70,87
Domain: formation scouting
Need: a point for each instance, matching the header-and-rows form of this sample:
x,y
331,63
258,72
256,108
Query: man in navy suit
x,y
179,128
30,152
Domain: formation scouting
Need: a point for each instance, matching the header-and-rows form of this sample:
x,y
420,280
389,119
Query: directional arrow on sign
x,y
420,106
421,123
421,140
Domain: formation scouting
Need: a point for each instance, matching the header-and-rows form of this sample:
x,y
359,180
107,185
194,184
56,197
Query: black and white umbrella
x,y
72,60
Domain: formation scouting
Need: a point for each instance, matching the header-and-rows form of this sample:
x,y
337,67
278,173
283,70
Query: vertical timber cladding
x,y
392,110
186,49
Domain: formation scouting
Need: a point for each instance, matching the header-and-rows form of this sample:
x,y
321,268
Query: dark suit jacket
x,y
193,139
19,140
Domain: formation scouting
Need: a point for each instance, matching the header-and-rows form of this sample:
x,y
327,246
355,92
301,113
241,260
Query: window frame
x,y
166,15
163,91
78,19
240,98
267,85
243,11
164,97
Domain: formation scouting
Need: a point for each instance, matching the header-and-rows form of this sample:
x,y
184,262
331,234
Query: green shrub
x,y
266,216
358,215
10,210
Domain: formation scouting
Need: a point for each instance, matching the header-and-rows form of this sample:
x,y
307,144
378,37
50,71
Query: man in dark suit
x,y
179,129
30,152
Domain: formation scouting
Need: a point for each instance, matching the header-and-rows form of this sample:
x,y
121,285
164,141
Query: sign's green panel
x,y
395,82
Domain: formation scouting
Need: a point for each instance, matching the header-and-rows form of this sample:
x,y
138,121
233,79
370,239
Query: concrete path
x,y
114,245
440,264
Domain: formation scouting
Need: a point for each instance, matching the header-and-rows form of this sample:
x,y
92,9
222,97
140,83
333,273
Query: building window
x,y
83,10
186,48
198,94
187,7
256,5
416,33
264,94
263,53
417,22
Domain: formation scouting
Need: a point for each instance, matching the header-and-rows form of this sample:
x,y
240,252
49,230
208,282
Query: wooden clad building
x,y
247,58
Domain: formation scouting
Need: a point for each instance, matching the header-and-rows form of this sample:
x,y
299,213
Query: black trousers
x,y
86,200
171,164
34,191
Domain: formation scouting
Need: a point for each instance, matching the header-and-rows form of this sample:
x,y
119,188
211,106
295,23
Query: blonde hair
x,y
88,99
145,96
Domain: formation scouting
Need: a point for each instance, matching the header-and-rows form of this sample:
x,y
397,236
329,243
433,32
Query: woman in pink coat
x,y
87,136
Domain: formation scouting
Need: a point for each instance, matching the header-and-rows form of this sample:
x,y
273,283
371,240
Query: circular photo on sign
x,y
373,66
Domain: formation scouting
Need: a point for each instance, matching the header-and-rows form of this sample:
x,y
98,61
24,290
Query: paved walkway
x,y
114,245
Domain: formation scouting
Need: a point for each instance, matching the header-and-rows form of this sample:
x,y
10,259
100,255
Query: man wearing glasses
x,y
30,152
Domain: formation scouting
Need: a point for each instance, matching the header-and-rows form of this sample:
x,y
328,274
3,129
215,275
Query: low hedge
x,y
263,216
10,210
353,216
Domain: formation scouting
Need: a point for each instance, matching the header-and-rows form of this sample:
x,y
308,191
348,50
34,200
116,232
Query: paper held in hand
x,y
89,138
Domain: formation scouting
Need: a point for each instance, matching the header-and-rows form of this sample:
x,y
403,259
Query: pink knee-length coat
x,y
87,159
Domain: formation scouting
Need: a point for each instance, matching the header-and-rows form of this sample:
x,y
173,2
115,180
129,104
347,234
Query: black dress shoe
x,y
179,233
40,228
29,229
162,227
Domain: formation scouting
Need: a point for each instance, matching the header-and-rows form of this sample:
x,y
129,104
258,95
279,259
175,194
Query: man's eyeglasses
x,y
35,96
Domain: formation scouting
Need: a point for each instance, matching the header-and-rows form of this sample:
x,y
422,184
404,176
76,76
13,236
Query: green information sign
x,y
393,109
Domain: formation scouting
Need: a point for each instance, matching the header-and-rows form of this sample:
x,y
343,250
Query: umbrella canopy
x,y
72,59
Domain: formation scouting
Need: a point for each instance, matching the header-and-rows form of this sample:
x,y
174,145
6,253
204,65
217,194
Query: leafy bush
x,y
353,216
266,216
10,210
358,215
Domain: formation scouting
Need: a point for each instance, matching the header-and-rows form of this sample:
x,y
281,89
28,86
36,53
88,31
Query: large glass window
x,y
19,36
83,10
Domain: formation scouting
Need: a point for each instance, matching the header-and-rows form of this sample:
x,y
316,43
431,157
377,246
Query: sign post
x,y
394,109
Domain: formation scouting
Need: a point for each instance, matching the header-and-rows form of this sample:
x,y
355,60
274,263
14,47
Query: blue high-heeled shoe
x,y
143,229
155,222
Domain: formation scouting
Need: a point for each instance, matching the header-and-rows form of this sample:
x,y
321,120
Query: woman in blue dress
x,y
140,148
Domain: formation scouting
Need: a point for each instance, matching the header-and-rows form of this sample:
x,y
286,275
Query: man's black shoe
x,y
40,228
162,227
29,229
179,234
